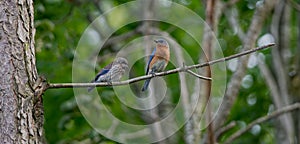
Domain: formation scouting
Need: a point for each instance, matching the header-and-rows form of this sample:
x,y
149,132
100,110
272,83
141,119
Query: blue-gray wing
x,y
115,73
104,71
150,59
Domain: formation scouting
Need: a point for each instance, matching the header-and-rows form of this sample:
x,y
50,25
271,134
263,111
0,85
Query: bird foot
x,y
153,74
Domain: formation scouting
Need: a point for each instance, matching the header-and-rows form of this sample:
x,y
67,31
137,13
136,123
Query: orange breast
x,y
163,52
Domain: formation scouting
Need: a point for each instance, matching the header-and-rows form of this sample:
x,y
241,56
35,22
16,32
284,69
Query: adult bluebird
x,y
158,60
112,72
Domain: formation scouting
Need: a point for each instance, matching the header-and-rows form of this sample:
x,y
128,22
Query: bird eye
x,y
161,41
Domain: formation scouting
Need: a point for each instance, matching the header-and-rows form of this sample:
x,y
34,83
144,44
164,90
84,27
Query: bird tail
x,y
90,89
146,84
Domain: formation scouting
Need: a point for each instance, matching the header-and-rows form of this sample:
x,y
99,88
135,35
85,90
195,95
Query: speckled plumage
x,y
112,72
158,60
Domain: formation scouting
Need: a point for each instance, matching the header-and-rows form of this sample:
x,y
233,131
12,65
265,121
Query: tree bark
x,y
21,108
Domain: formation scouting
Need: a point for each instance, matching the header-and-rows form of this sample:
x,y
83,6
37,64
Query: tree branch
x,y
177,70
275,94
263,119
261,13
208,44
281,73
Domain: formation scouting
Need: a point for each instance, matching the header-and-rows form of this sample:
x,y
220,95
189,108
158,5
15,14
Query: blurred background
x,y
257,84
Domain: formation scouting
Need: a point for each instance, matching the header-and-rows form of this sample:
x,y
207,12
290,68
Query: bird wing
x,y
103,71
150,59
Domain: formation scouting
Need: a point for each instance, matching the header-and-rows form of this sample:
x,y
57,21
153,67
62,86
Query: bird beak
x,y
155,41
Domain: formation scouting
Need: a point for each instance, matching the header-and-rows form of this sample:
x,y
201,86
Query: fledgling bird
x,y
158,60
112,72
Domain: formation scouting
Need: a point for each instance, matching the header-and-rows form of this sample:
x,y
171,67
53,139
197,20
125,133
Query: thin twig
x,y
294,5
198,76
224,129
232,17
180,69
262,119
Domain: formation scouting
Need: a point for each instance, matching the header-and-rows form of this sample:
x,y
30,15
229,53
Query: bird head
x,y
121,61
161,43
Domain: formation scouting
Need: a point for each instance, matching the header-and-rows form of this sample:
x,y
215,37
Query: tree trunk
x,y
21,108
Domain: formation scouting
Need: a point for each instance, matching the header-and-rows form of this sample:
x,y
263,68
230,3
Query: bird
x,y
158,60
112,72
